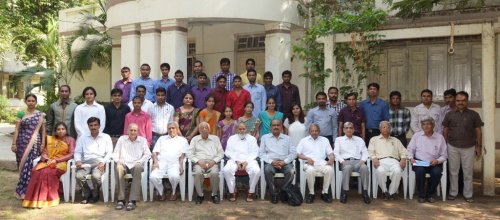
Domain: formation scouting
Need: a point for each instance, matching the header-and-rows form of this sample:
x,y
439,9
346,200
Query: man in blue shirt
x,y
323,116
176,91
257,92
376,110
164,81
146,81
272,90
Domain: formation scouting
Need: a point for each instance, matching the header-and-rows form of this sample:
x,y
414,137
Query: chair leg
x,y
144,186
338,183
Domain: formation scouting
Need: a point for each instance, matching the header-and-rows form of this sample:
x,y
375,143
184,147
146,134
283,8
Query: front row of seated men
x,y
205,151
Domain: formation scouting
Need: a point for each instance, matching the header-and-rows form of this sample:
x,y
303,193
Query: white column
x,y
174,45
116,60
488,82
330,60
130,49
278,49
150,42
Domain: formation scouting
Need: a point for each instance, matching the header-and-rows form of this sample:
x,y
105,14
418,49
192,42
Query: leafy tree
x,y
412,9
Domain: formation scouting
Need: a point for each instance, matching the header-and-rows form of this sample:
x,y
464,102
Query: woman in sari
x,y
43,189
28,138
186,116
227,126
251,121
210,115
268,115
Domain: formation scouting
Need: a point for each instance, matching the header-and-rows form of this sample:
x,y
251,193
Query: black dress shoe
x,y
421,200
274,199
94,199
216,199
431,199
310,198
343,197
366,197
199,199
326,198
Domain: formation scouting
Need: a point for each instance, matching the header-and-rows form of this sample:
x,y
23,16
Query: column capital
x,y
149,27
174,25
277,27
130,29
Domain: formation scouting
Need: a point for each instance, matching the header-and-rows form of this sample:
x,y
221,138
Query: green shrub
x,y
7,114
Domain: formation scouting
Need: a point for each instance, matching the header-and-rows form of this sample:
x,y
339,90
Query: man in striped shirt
x,y
400,118
161,114
130,154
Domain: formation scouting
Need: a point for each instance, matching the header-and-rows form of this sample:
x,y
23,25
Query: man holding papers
x,y
427,152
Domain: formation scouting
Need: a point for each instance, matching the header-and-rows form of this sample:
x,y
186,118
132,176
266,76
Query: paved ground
x,y
6,141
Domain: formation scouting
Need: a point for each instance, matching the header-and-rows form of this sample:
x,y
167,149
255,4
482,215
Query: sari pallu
x,y
43,189
28,145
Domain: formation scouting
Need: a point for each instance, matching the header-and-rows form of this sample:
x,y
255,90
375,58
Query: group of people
x,y
239,119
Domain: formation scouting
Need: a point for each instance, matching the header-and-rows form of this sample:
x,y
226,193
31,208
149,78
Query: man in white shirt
x,y
90,108
140,91
242,150
351,152
130,153
205,152
93,149
314,149
161,114
168,157
388,157
426,109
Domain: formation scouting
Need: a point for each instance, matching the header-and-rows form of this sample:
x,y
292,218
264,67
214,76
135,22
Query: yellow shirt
x,y
244,78
381,147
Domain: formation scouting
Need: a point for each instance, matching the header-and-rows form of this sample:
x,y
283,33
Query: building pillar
x,y
330,60
130,49
116,50
149,44
174,45
278,49
488,100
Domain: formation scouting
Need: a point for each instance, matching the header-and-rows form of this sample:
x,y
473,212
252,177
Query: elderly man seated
x,y
352,154
242,150
168,156
93,149
427,151
205,152
278,153
130,153
388,157
314,149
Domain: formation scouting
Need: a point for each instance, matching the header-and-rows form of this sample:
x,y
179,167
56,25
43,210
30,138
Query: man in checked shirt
x,y
400,118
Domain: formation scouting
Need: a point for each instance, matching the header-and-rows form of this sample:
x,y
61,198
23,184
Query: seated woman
x,y
43,188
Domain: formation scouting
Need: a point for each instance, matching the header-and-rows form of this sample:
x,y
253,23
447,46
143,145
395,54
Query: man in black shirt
x,y
115,115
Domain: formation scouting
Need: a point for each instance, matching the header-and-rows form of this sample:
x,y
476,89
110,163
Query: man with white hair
x,y
168,156
205,152
388,157
314,149
242,150
352,154
130,153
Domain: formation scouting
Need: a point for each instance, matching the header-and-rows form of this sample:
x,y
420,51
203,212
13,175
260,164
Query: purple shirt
x,y
356,117
125,87
199,96
427,148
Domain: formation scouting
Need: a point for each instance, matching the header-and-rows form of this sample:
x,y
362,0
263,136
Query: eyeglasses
x,y
125,71
349,127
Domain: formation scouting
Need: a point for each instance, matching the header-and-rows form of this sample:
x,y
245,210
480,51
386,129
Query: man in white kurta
x,y
242,150
388,157
314,149
168,156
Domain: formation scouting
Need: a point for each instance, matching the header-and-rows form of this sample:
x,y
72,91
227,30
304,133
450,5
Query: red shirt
x,y
143,120
237,103
220,99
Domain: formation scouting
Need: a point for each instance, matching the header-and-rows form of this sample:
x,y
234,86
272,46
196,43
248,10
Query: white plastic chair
x,y
205,175
263,183
338,178
128,176
182,182
404,178
65,178
318,174
104,181
443,181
